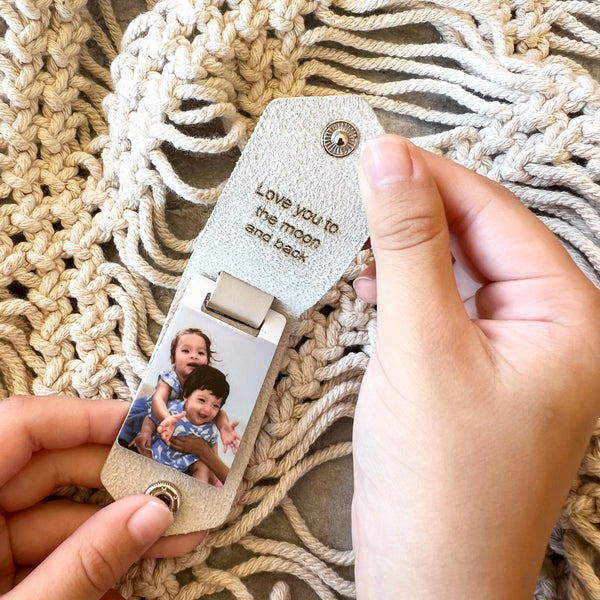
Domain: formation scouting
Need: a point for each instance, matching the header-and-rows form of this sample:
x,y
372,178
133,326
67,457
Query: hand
x,y
167,427
142,444
230,437
79,549
192,444
474,412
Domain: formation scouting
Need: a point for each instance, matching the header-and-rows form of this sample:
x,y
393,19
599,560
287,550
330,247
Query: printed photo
x,y
197,395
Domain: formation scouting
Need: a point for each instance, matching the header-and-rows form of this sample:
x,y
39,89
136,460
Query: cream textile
x,y
505,87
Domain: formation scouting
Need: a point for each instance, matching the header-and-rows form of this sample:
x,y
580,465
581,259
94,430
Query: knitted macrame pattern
x,y
87,166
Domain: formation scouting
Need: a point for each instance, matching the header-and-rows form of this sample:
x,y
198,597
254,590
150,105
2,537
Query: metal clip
x,y
238,301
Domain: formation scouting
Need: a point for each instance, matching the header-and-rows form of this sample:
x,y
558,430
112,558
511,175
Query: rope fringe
x,y
88,162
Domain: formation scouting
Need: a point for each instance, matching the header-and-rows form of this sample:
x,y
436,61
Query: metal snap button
x,y
167,492
340,138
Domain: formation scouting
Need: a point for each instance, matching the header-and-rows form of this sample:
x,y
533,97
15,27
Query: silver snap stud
x,y
340,138
167,492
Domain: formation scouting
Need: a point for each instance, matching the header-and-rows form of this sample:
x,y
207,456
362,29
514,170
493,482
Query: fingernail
x,y
365,289
149,522
362,278
385,160
359,284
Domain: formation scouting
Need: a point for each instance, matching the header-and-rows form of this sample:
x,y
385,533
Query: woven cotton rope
x,y
86,242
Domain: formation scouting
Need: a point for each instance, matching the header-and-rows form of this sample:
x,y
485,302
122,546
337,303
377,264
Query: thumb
x,y
89,562
417,299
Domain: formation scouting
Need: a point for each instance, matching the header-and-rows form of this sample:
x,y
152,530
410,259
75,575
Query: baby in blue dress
x,y
190,348
204,393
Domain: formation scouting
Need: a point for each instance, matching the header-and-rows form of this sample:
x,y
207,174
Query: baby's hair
x,y
195,331
205,377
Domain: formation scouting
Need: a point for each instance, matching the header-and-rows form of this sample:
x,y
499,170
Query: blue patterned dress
x,y
178,460
142,408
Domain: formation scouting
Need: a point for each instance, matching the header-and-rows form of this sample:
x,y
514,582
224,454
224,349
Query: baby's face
x,y
189,354
201,406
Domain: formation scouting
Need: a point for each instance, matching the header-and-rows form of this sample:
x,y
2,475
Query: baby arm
x,y
229,436
161,412
160,399
144,438
167,427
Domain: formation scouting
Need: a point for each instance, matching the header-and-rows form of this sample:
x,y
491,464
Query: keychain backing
x,y
244,355
287,225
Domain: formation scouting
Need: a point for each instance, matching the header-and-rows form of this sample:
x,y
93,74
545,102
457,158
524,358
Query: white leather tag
x,y
287,225
290,219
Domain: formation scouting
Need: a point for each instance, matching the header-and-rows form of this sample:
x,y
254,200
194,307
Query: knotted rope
x,y
91,164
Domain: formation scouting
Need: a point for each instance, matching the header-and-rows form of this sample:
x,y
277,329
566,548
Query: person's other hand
x,y
63,549
192,444
142,443
474,412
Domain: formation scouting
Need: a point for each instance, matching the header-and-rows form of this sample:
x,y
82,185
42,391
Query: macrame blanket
x,y
111,138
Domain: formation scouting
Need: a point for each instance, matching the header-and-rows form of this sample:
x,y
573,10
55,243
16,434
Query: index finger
x,y
33,423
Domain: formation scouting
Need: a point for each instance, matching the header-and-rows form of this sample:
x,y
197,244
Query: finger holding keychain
x,y
69,550
471,420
